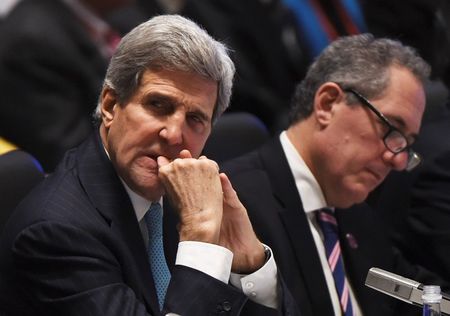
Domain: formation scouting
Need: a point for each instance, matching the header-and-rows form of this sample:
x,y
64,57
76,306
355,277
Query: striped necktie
x,y
328,224
160,271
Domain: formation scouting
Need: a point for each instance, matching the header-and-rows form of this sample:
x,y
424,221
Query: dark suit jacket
x,y
50,78
267,188
74,247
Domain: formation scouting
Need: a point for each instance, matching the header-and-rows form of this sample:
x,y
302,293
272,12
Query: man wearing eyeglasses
x,y
354,118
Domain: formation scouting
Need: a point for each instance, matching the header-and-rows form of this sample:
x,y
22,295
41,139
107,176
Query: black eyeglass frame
x,y
414,159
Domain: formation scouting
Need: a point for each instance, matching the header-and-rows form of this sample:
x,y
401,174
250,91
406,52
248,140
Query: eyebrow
x,y
163,97
399,120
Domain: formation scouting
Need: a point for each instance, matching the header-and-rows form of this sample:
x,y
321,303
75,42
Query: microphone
x,y
401,288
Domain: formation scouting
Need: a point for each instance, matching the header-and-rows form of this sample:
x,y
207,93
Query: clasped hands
x,y
209,209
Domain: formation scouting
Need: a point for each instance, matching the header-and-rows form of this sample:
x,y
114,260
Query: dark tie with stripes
x,y
158,264
328,224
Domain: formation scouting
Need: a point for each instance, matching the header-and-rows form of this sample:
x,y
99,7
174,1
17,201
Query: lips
x,y
148,162
152,156
151,160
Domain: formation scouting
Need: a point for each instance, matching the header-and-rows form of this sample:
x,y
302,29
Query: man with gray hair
x,y
92,238
354,118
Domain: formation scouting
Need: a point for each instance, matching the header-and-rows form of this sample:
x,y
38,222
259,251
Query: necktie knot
x,y
153,220
327,221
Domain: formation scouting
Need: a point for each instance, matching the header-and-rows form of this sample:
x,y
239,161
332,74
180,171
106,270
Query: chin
x,y
358,197
352,197
146,184
152,192
150,184
347,192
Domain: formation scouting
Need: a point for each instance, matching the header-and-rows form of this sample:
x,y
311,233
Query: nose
x,y
172,130
398,161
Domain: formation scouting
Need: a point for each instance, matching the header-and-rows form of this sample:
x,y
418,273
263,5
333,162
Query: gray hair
x,y
174,43
360,62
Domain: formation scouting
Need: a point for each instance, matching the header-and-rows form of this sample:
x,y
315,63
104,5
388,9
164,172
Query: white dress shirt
x,y
312,199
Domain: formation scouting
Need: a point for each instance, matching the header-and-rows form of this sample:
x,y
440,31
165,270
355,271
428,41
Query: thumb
x,y
162,161
185,154
228,192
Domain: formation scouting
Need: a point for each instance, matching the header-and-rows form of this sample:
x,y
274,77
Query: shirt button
x,y
249,285
226,306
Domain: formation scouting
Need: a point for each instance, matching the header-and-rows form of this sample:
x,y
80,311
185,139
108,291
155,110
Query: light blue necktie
x,y
328,223
161,274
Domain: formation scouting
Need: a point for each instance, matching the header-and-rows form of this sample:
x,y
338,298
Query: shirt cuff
x,y
208,258
262,285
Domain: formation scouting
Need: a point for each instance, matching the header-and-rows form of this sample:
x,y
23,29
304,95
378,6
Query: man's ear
x,y
326,98
108,106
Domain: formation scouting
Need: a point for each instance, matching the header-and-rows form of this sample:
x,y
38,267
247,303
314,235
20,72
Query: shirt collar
x,y
140,204
309,189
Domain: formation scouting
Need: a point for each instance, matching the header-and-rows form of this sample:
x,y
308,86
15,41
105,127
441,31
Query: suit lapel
x,y
107,193
364,247
296,225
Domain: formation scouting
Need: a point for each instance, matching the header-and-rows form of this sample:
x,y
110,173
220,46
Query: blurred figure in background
x,y
53,57
272,43
322,21
424,25
267,52
416,205
418,23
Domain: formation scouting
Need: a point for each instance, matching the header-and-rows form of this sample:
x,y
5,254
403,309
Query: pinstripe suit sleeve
x,y
64,270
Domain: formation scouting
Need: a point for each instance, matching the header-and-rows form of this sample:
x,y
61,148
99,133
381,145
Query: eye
x,y
156,104
195,118
159,106
196,122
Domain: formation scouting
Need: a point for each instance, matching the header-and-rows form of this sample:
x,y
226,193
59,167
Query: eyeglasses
x,y
394,140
